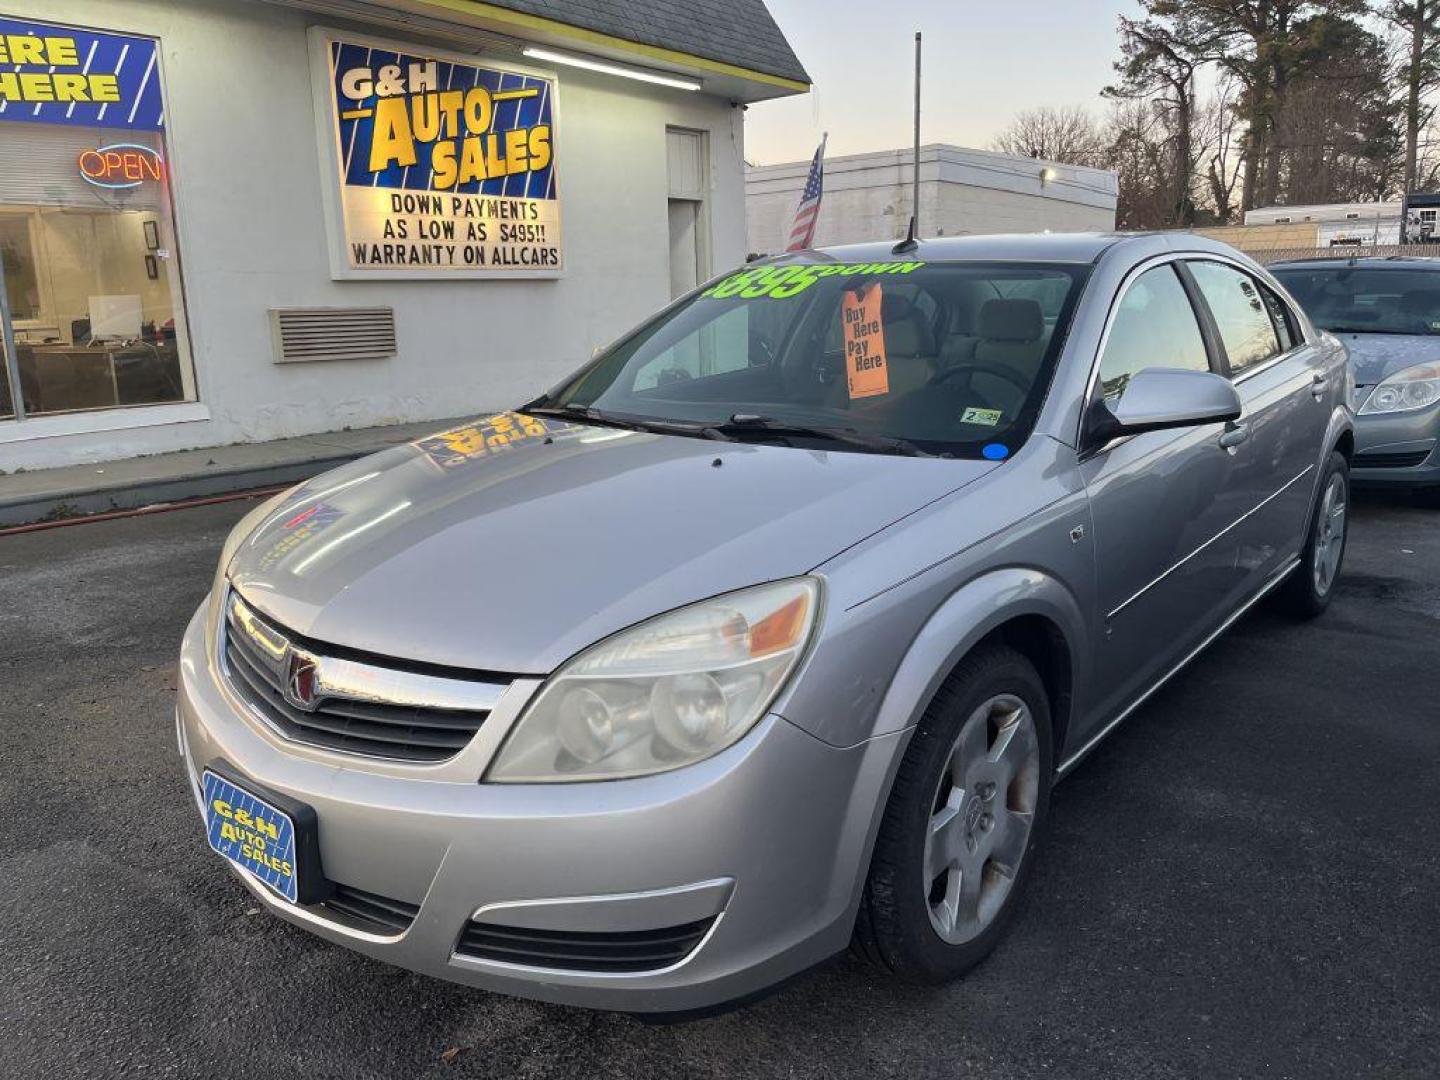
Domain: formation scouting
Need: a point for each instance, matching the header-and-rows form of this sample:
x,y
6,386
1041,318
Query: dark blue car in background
x,y
1387,312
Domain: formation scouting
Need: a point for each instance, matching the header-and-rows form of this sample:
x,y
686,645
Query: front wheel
x,y
959,832
1308,591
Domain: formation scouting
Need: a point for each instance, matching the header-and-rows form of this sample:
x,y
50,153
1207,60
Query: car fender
x,y
968,615
1342,416
972,612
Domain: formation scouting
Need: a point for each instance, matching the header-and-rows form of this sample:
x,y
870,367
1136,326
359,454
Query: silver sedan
x,y
769,631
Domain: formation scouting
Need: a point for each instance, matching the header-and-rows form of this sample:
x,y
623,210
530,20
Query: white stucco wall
x,y
247,186
962,192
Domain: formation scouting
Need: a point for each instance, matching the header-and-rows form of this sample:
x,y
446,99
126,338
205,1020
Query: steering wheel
x,y
969,371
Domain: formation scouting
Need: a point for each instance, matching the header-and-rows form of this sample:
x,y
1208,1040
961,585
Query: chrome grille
x,y
327,697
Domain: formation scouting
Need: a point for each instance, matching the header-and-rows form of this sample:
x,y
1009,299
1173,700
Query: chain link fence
x,y
1368,251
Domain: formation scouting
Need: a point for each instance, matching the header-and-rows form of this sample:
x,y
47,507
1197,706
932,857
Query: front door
x,y
1284,387
1162,505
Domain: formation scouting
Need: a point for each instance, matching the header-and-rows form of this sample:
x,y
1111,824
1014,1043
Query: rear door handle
x,y
1234,435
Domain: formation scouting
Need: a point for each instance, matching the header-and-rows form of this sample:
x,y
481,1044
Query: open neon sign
x,y
121,165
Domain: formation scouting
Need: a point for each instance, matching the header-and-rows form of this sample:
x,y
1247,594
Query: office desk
x,y
65,378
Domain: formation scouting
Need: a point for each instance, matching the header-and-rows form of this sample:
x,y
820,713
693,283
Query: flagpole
x,y
915,179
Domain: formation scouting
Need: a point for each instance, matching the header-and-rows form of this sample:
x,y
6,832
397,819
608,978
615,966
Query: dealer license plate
x,y
252,834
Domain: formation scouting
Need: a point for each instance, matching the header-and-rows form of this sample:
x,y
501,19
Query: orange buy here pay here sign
x,y
865,366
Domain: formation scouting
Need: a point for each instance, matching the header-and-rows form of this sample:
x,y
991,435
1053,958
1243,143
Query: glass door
x,y
7,342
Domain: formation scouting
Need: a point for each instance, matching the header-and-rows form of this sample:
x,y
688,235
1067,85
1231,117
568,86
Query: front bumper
x,y
1398,449
770,838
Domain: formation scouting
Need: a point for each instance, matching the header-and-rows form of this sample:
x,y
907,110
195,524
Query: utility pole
x,y
915,179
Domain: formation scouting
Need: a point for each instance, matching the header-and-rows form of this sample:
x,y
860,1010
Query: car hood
x,y
510,544
1377,356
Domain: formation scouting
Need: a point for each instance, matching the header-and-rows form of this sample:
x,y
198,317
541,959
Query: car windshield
x,y
1365,299
899,357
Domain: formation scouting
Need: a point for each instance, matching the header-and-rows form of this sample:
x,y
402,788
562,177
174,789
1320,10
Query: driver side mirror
x,y
1156,399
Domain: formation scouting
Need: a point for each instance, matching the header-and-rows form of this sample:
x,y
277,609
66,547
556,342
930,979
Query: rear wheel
x,y
1308,591
959,831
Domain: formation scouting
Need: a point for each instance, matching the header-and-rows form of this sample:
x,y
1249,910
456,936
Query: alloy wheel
x,y
1330,525
982,817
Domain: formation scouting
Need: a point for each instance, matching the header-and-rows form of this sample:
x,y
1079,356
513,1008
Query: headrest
x,y
893,307
1420,302
1011,320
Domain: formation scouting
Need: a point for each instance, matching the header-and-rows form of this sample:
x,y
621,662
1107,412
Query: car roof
x,y
1083,248
1037,247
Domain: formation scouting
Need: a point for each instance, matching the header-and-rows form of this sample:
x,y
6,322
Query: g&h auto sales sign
x,y
445,167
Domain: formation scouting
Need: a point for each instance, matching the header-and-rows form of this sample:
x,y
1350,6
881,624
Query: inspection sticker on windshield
x,y
864,336
986,417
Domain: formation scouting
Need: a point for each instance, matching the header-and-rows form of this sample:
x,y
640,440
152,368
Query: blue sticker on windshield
x,y
995,451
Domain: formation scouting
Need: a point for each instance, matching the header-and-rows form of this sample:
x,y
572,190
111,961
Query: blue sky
x,y
985,60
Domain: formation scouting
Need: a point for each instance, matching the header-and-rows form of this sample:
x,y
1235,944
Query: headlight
x,y
1414,388
666,693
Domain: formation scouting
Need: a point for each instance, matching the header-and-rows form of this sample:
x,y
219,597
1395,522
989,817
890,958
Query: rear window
x,y
1366,300
953,357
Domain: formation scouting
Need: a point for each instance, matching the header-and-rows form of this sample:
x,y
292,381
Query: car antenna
x,y
910,243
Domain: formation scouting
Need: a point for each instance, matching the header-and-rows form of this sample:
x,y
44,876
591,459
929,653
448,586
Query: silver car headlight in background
x,y
1416,387
666,693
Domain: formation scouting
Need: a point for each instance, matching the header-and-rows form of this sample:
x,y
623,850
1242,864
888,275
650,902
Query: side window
x,y
1245,323
1154,327
1285,324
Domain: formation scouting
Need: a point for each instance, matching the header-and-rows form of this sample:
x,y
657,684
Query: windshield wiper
x,y
1374,330
591,415
743,425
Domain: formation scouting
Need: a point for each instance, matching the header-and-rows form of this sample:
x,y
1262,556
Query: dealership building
x,y
236,220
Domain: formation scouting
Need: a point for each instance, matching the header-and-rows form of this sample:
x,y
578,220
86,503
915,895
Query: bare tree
x,y
1140,153
1219,133
1419,24
1069,135
1158,66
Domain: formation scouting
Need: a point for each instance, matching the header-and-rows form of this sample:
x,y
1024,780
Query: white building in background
x,y
1343,224
868,196
227,221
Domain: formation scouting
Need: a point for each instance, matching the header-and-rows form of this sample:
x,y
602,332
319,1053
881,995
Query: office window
x,y
92,310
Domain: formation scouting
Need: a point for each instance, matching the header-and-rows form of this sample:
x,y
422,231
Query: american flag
x,y
803,231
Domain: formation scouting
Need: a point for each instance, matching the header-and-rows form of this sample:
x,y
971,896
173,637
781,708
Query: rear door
x,y
1283,384
1162,502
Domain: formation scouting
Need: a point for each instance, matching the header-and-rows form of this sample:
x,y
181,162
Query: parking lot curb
x,y
103,498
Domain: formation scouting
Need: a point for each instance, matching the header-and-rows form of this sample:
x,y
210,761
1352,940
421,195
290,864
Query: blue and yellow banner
x,y
444,165
54,74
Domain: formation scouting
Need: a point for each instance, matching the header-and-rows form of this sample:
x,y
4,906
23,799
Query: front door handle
x,y
1318,385
1234,435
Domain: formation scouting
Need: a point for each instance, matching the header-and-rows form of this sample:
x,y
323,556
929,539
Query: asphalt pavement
x,y
1241,882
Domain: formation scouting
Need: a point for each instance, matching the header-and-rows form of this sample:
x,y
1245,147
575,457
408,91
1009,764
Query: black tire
x,y
894,929
1301,596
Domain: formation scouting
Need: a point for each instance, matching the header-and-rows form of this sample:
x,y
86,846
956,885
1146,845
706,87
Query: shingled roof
x,y
739,32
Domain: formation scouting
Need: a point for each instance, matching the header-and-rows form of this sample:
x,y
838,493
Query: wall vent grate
x,y
302,335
